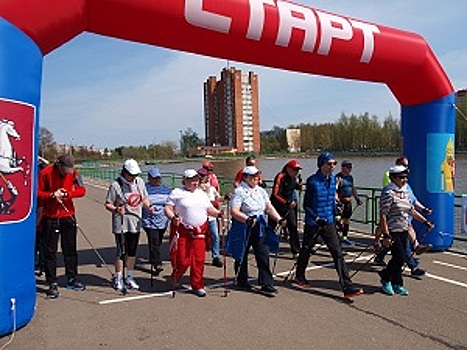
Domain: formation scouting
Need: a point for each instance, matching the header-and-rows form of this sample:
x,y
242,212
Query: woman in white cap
x,y
125,199
395,208
249,206
187,208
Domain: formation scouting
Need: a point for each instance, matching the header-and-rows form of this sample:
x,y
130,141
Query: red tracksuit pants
x,y
189,252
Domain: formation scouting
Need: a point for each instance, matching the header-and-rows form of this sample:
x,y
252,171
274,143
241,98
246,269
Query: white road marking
x,y
447,280
456,255
137,297
450,265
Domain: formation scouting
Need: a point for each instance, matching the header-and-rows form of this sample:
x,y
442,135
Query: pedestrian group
x,y
192,214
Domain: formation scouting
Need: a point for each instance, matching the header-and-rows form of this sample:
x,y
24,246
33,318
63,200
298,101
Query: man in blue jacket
x,y
319,206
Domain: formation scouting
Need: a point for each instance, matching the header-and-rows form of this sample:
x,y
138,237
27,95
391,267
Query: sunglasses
x,y
348,166
331,163
402,177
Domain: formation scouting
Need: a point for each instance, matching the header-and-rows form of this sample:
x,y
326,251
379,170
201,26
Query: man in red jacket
x,y
58,184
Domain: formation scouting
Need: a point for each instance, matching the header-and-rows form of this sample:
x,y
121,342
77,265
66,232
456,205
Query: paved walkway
x,y
434,316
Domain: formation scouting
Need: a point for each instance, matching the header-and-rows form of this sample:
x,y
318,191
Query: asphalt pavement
x,y
433,316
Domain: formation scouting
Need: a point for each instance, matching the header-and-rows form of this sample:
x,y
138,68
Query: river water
x,y
367,171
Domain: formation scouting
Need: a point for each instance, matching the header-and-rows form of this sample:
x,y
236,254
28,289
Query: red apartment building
x,y
231,111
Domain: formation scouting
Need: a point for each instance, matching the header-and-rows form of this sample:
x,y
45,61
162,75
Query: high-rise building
x,y
231,111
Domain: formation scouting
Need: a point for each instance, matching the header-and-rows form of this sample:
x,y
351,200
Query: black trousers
x,y
261,251
155,236
331,239
393,271
291,216
52,230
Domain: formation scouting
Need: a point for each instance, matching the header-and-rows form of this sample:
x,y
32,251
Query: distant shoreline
x,y
118,163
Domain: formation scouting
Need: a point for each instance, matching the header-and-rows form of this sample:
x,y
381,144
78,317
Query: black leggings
x,y
130,240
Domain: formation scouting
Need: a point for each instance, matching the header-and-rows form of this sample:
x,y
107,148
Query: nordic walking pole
x,y
365,264
313,251
88,240
173,246
360,254
123,253
281,233
224,253
429,226
308,247
249,229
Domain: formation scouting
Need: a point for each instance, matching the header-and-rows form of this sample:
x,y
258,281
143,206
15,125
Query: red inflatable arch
x,y
271,33
274,33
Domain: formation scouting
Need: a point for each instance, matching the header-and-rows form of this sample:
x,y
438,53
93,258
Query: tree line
x,y
354,133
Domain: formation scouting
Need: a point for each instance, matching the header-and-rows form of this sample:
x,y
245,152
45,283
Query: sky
x,y
105,92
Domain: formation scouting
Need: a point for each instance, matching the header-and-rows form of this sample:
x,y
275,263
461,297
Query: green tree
x,y
189,139
47,145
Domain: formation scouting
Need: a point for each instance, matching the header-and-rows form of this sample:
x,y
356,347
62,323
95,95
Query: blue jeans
x,y
411,262
215,238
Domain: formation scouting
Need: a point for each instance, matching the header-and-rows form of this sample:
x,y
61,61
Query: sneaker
x,y
268,289
52,292
199,292
387,287
417,272
352,291
74,284
119,286
217,262
421,248
131,283
347,242
302,282
400,290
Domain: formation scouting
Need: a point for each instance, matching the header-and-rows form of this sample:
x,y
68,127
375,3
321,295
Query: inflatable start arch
x,y
273,33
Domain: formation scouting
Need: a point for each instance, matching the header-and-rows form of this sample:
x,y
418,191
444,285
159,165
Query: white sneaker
x,y
118,285
131,283
199,292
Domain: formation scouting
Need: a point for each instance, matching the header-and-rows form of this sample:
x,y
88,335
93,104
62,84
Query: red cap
x,y
294,164
208,165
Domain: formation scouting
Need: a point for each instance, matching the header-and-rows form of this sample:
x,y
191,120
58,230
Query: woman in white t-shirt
x,y
188,208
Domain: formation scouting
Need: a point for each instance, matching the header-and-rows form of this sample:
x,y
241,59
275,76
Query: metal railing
x,y
365,217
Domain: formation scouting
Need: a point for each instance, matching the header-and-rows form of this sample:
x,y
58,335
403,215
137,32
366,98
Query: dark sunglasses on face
x,y
348,166
331,163
402,177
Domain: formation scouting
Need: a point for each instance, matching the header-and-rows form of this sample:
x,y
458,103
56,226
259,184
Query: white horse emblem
x,y
9,163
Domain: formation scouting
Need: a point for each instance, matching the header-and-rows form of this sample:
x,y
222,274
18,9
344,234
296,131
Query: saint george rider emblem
x,y
17,123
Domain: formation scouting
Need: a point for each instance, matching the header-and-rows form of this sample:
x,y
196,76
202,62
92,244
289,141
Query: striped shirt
x,y
158,197
396,205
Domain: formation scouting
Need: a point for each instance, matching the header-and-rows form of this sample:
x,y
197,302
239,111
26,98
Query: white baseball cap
x,y
190,173
250,170
132,167
398,169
